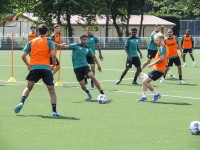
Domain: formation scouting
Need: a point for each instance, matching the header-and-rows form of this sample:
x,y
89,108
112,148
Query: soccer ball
x,y
101,98
195,127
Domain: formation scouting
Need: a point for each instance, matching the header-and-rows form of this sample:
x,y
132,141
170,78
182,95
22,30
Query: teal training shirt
x,y
28,50
152,45
132,44
79,53
91,42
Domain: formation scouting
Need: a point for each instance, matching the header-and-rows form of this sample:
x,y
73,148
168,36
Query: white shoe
x,y
184,65
162,80
194,64
181,81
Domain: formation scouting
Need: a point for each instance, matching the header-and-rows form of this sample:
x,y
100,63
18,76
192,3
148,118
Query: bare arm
x,y
157,61
129,56
179,46
95,59
62,46
53,59
24,54
139,52
99,49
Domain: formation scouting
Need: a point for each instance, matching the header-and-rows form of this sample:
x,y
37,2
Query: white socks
x,y
144,94
169,72
155,92
184,63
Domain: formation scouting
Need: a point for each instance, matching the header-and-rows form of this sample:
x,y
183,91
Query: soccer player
x,y
159,66
80,64
187,43
92,41
162,30
172,42
39,66
55,37
131,48
32,35
152,48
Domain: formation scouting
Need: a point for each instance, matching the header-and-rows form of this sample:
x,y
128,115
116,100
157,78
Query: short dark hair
x,y
83,35
32,27
89,27
56,25
158,25
43,29
134,29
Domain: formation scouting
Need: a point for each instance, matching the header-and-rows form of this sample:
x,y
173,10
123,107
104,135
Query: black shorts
x,y
90,60
135,61
81,72
187,50
151,53
175,60
51,62
155,75
37,74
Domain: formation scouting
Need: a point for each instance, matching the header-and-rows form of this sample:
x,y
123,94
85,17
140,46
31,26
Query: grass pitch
x,y
120,124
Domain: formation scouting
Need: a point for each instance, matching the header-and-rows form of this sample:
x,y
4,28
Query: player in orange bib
x,y
39,66
32,35
55,37
187,43
172,42
159,66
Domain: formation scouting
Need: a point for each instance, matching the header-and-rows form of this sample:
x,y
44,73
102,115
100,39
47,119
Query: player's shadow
x,y
50,117
170,103
183,84
136,85
90,100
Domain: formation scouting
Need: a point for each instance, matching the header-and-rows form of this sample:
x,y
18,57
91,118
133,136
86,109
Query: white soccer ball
x,y
101,98
195,127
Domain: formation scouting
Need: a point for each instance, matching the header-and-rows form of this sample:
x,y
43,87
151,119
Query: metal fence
x,y
110,43
193,25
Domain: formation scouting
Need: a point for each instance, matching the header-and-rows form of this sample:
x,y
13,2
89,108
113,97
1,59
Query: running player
x,y
172,42
92,41
32,35
159,66
187,43
55,37
80,64
39,66
152,48
131,48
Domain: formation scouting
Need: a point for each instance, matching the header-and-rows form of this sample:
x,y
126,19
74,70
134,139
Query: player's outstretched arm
x,y
99,49
95,59
62,46
24,54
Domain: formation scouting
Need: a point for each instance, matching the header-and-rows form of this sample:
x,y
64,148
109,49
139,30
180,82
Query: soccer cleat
x,y
142,99
55,114
181,81
194,64
156,97
18,107
184,65
135,83
162,80
89,94
171,76
118,82
92,84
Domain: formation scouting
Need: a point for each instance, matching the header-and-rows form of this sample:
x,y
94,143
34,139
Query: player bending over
x,y
131,48
39,66
172,42
80,64
159,66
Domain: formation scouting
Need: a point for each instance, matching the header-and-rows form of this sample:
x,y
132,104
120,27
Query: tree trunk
x,y
69,27
117,27
142,15
107,17
127,25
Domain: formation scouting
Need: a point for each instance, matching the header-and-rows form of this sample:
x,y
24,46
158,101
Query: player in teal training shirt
x,y
92,41
80,64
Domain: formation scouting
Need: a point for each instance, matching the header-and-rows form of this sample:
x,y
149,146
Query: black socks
x,y
121,78
135,79
101,92
180,77
54,107
23,99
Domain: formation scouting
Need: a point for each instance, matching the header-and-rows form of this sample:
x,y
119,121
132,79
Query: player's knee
x,y
29,87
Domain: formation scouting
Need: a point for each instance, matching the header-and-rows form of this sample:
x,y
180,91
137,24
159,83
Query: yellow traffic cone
x,y
12,79
58,83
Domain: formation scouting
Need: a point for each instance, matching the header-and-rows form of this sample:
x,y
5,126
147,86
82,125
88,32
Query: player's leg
x,y
184,54
166,71
144,92
92,66
137,64
191,55
178,64
123,74
57,67
148,61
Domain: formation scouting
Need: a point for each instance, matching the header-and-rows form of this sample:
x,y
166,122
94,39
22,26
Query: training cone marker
x,y
12,79
58,83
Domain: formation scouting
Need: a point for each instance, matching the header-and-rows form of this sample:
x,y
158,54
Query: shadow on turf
x,y
183,84
50,117
170,103
90,100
